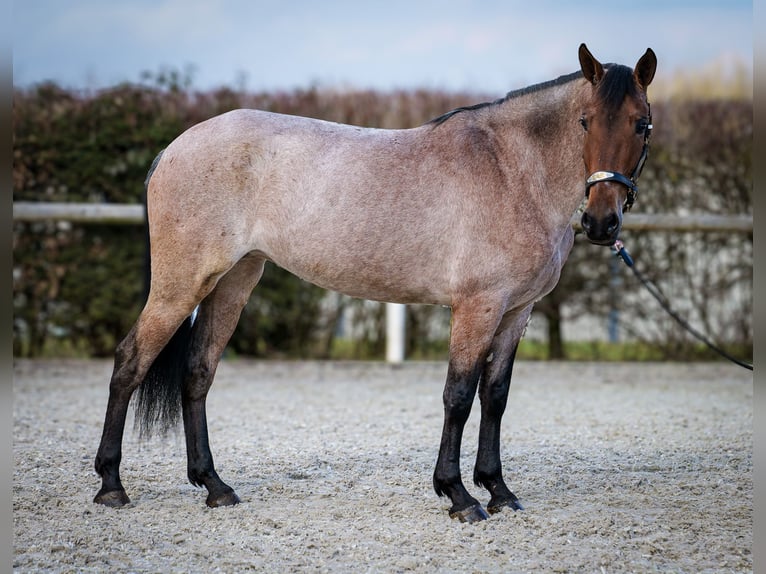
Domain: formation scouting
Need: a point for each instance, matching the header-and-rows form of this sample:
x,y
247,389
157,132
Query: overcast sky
x,y
488,46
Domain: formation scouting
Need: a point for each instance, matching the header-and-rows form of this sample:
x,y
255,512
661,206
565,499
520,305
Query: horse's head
x,y
617,123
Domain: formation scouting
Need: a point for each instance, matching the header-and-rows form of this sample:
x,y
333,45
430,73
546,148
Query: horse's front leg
x,y
493,394
473,326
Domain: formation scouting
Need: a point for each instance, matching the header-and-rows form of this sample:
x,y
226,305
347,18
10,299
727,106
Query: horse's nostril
x,y
586,221
613,223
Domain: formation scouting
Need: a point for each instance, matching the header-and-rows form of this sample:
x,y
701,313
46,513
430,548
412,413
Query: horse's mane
x,y
615,85
565,79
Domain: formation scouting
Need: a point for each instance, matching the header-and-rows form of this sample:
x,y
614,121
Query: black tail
x,y
158,400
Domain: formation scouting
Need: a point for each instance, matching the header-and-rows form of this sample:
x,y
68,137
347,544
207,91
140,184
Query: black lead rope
x,y
620,251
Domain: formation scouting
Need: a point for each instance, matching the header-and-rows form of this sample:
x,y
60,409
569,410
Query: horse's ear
x,y
590,66
645,68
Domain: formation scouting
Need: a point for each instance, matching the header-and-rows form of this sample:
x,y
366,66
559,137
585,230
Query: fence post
x,y
396,315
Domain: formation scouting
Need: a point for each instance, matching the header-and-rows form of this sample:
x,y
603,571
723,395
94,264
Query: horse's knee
x,y
460,390
494,396
495,384
458,399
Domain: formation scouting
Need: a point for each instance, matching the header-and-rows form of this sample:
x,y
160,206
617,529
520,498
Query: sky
x,y
487,46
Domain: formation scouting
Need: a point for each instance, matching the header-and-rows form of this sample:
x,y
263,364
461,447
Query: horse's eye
x,y
584,123
641,126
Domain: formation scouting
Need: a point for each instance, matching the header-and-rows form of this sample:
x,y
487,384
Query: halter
x,y
629,182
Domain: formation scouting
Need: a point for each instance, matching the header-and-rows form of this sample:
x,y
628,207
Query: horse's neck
x,y
548,120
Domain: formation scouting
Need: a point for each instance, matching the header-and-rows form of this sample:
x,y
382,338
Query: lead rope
x,y
620,251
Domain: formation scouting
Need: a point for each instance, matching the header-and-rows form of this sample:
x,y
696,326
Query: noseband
x,y
629,182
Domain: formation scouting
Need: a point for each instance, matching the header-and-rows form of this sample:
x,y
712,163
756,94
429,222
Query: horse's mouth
x,y
607,242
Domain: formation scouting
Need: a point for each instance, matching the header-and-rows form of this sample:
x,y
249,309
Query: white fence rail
x,y
116,214
79,212
121,214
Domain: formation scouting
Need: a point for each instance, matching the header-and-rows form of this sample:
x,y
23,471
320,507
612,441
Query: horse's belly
x,y
356,278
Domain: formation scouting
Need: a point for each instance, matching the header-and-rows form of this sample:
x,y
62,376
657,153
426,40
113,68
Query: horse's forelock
x,y
617,84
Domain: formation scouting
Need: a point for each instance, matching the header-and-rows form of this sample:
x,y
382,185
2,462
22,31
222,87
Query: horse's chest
x,y
542,268
558,256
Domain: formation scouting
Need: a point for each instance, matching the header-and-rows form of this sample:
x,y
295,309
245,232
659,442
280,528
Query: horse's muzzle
x,y
602,230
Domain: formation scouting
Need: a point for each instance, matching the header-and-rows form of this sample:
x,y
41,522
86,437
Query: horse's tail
x,y
158,399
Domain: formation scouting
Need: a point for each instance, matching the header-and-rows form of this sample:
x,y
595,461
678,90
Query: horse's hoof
x,y
512,503
112,498
471,514
228,498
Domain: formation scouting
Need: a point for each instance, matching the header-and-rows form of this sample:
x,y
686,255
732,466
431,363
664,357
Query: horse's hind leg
x,y
493,394
133,358
217,318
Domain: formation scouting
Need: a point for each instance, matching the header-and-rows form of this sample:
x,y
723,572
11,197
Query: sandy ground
x,y
621,468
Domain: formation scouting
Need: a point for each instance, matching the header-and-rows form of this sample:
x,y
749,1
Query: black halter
x,y
629,182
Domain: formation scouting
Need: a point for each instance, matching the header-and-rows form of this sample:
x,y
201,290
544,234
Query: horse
x,y
471,210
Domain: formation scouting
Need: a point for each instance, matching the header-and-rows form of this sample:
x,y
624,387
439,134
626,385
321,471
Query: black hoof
x,y
112,498
228,498
496,506
471,514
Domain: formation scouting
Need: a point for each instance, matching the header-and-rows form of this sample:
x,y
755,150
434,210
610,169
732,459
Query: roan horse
x,y
471,210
